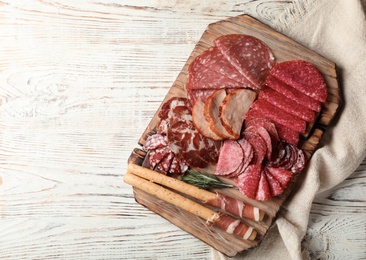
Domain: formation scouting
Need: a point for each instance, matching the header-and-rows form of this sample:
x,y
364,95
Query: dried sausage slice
x,y
249,55
263,192
292,93
282,176
248,181
277,115
230,158
286,104
303,76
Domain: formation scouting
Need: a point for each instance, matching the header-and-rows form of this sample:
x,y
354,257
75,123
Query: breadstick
x,y
220,220
215,199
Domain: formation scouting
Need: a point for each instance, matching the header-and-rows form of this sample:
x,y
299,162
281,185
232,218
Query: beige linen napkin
x,y
335,29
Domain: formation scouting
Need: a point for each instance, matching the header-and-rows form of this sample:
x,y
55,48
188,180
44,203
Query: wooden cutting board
x,y
283,49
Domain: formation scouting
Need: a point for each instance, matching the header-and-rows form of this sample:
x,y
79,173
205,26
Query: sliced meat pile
x,y
293,94
183,141
236,61
254,157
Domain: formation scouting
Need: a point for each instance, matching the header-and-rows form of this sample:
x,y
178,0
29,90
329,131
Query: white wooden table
x,y
79,82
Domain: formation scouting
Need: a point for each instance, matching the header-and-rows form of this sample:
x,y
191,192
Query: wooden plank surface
x,y
79,82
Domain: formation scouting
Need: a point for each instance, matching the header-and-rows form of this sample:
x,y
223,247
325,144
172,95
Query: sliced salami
x,y
265,136
249,55
263,192
292,93
267,124
303,76
284,133
277,99
258,144
164,165
155,156
175,167
230,158
248,181
205,78
274,185
279,116
215,61
299,163
155,141
282,176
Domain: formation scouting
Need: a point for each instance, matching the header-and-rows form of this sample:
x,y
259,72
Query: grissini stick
x,y
229,204
220,220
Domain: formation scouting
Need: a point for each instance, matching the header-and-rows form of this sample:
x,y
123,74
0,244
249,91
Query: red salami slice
x,y
205,78
248,156
292,93
279,116
274,185
164,165
215,61
300,162
282,176
302,76
175,167
202,94
258,145
155,156
265,136
275,98
248,181
268,125
249,55
263,192
230,159
155,141
284,133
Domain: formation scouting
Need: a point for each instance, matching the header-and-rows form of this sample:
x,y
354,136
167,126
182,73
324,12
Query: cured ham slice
x,y
233,226
302,76
248,181
292,93
286,104
249,55
279,116
236,207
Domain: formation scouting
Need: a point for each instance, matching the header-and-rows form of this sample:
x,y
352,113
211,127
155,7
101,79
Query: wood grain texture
x,y
79,82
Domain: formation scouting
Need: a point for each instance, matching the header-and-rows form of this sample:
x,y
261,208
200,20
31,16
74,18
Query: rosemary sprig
x,y
204,180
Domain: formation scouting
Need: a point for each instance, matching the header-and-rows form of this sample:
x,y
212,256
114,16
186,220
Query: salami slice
x,y
268,125
155,156
205,78
230,158
248,181
258,144
263,192
292,93
277,115
249,55
175,167
262,132
284,133
277,99
274,185
164,165
302,76
299,163
155,141
282,176
216,62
